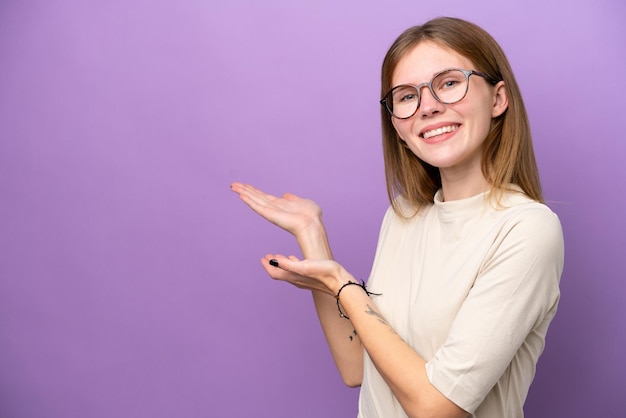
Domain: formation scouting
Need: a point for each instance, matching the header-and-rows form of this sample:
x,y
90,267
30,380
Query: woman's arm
x,y
509,305
342,338
303,219
402,368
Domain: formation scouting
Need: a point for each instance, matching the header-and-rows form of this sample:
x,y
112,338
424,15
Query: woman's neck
x,y
462,186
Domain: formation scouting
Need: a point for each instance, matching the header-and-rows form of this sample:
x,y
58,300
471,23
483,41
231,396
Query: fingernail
x,y
273,263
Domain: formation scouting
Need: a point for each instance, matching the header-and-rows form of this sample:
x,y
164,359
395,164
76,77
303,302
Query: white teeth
x,y
439,131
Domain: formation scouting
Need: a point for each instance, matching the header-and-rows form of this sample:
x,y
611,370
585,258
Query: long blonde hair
x,y
507,155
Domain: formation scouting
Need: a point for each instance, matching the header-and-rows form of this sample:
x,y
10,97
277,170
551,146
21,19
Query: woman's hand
x,y
290,212
326,276
303,219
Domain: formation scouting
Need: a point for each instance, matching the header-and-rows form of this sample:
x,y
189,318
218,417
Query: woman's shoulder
x,y
514,201
406,211
533,219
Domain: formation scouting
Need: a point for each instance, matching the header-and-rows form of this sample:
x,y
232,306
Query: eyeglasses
x,y
448,86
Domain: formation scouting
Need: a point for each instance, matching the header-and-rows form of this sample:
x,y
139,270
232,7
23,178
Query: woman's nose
x,y
428,103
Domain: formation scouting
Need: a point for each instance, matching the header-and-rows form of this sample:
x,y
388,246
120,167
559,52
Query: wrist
x,y
313,242
345,285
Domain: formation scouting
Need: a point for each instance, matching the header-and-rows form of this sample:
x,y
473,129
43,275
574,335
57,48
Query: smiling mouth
x,y
439,131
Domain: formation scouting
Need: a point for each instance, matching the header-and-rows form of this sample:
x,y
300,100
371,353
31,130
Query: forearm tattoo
x,y
371,311
353,335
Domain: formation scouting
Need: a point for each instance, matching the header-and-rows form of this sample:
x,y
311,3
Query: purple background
x,y
129,276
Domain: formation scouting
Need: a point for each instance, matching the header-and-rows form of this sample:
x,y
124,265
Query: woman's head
x,y
507,154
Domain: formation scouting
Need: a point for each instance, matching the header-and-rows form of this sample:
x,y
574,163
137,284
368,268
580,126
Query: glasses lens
x,y
404,101
450,86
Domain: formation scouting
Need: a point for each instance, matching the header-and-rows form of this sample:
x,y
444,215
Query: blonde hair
x,y
507,155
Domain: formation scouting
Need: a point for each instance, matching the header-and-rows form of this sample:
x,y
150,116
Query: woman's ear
x,y
500,100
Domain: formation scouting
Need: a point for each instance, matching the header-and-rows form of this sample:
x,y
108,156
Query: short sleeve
x,y
512,301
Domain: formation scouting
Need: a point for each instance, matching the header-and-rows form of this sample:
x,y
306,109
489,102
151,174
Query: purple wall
x,y
129,276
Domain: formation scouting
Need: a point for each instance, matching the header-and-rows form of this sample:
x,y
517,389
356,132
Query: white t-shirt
x,y
472,289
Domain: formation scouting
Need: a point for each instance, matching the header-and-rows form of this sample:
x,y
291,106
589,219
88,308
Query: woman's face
x,y
447,136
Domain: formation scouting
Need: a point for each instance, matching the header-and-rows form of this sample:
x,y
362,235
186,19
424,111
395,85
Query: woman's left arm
x,y
516,292
401,367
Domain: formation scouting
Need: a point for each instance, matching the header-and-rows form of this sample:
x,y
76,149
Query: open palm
x,y
290,212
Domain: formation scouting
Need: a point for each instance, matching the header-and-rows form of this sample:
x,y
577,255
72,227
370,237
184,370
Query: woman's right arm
x,y
303,218
342,339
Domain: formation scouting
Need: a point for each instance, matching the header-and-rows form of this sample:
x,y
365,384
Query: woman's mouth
x,y
439,131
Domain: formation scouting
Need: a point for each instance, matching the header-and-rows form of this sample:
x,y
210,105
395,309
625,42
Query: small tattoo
x,y
353,335
372,312
380,318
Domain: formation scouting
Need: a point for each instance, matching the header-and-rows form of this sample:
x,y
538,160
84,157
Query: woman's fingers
x,y
291,196
255,198
278,261
251,196
266,205
258,198
312,269
278,269
288,212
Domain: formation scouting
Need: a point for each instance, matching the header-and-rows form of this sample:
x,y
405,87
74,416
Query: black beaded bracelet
x,y
361,285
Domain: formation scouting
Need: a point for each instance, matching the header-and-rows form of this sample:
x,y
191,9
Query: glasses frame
x,y
384,101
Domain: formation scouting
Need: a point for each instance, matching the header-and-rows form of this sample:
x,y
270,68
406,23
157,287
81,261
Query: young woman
x,y
466,276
